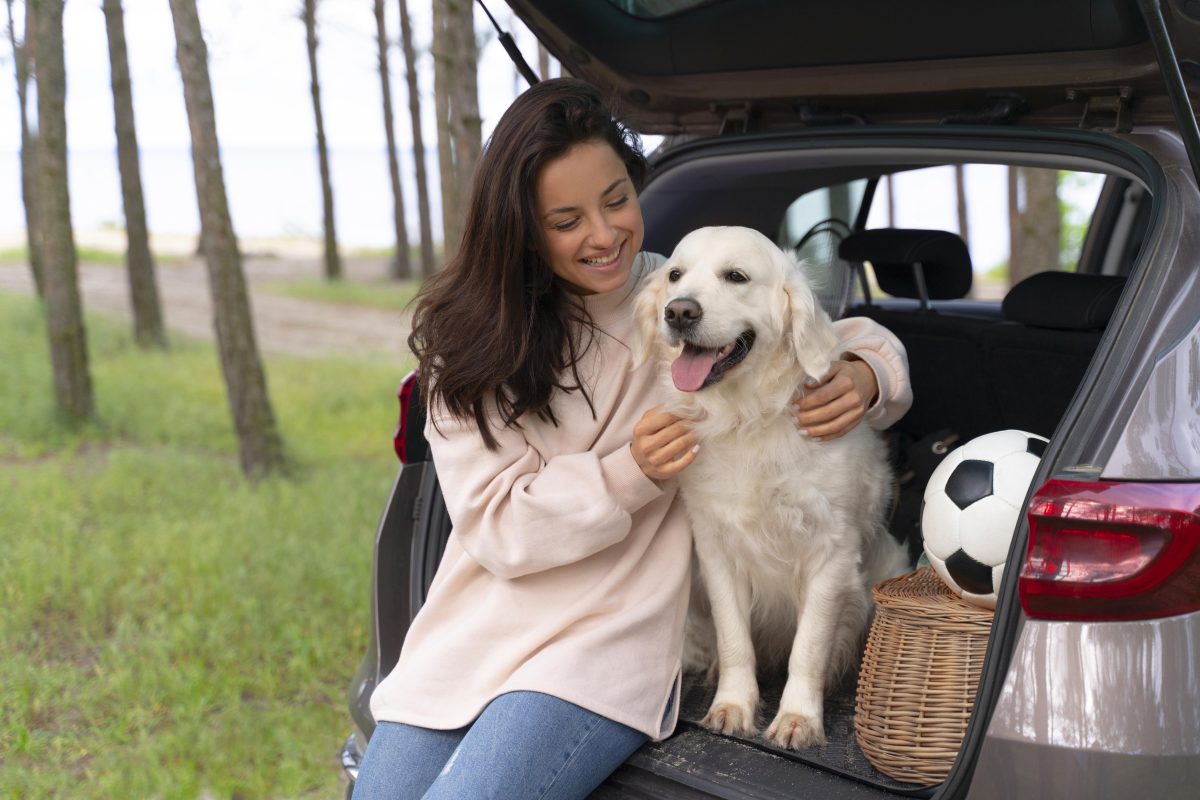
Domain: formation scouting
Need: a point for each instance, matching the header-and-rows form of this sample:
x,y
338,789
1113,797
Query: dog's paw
x,y
730,719
795,731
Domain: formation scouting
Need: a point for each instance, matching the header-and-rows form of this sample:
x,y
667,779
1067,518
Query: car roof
x,y
697,66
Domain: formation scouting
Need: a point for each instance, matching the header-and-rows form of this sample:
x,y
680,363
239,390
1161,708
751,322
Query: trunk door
x,y
703,66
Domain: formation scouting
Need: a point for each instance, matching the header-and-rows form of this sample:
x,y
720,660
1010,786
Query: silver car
x,y
838,129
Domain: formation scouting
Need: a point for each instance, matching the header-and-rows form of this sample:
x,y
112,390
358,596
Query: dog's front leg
x,y
799,722
736,703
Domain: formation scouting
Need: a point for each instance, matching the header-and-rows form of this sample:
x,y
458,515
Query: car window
x,y
1016,221
813,226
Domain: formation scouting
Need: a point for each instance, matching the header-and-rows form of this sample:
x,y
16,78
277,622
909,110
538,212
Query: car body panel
x,y
1103,709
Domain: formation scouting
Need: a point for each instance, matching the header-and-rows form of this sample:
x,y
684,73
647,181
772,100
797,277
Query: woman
x,y
549,647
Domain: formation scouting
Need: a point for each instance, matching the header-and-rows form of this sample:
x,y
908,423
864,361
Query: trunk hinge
x,y
1105,109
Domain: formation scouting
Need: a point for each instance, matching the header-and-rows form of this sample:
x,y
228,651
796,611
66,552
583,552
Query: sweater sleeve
x,y
885,355
517,514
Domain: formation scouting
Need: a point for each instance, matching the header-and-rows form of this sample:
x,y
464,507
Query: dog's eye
x,y
734,276
674,275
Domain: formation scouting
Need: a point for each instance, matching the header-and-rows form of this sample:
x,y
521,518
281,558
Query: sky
x,y
259,70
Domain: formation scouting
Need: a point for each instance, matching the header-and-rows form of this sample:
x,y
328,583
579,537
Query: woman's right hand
x,y
663,444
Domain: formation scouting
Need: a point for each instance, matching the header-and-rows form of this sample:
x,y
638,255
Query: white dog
x,y
789,533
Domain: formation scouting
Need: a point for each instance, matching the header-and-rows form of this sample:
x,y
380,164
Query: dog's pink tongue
x,y
692,367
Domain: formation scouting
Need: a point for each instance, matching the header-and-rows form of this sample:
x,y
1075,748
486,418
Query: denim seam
x,y
595,725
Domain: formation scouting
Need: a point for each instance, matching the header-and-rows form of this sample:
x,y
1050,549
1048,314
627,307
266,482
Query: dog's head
x,y
729,302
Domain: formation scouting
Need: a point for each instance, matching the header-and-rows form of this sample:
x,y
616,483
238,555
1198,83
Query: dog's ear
x,y
812,337
646,309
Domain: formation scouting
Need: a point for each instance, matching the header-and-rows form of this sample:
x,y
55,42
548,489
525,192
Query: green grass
x,y
376,294
168,629
92,255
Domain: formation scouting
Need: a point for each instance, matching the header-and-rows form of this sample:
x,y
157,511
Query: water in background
x,y
272,193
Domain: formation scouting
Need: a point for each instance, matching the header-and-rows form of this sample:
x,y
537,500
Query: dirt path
x,y
283,324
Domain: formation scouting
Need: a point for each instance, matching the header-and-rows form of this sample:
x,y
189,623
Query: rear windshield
x,y
653,9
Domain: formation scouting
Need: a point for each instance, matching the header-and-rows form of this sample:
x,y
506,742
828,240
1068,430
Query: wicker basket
x,y
918,678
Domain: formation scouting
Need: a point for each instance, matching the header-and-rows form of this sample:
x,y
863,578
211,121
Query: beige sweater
x,y
567,571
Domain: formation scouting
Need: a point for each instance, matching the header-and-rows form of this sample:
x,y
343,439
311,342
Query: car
x,y
798,120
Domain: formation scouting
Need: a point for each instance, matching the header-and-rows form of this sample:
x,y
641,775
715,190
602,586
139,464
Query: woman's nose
x,y
601,234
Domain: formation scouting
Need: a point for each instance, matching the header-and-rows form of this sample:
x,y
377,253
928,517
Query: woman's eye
x,y
565,226
733,276
620,201
674,275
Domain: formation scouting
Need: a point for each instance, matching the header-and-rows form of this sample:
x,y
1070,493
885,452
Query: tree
x,y
333,264
456,96
64,311
401,266
22,60
1035,224
960,187
414,110
259,445
143,288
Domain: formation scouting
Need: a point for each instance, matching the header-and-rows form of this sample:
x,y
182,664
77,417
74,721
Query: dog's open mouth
x,y
700,367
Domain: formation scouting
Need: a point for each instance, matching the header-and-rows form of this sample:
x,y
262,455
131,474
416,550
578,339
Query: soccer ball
x,y
973,502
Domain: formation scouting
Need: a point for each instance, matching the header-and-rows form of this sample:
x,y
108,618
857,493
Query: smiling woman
x,y
590,241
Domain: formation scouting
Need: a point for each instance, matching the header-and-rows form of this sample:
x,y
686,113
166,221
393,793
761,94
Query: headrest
x,y
892,252
1064,301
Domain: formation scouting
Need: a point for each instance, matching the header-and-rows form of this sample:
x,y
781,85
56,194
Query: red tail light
x,y
1110,551
404,395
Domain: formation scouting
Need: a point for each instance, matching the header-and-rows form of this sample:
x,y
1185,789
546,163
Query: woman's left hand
x,y
832,406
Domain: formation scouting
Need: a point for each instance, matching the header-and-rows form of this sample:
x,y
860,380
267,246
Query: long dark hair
x,y
496,327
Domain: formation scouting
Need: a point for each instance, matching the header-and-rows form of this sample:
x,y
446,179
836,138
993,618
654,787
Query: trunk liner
x,y
841,752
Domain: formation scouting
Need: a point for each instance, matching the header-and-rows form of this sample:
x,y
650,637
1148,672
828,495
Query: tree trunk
x,y
1036,226
401,265
891,201
143,289
414,109
543,62
64,312
259,444
333,264
457,102
22,58
960,187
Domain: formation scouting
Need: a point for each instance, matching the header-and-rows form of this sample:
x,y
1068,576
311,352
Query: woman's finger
x,y
837,428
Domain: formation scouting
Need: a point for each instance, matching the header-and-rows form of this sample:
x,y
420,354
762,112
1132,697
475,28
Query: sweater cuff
x,y
625,480
879,367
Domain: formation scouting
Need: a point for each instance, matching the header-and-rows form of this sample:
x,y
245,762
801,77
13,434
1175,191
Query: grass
x,y
90,255
168,629
388,295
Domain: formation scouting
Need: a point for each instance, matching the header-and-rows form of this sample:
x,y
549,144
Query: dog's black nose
x,y
682,313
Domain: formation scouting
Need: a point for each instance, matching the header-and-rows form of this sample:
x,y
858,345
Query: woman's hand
x,y
832,406
663,444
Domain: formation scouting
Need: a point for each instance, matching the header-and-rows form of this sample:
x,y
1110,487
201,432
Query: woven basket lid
x,y
922,594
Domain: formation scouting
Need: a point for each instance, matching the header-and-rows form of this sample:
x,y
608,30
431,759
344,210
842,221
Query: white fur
x,y
789,533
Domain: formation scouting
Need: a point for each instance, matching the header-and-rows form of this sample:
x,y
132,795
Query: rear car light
x,y
404,395
1101,550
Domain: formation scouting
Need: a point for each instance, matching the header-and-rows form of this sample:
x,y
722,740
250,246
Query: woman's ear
x,y
812,337
647,307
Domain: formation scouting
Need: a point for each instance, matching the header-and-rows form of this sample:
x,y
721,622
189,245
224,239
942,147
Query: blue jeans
x,y
523,745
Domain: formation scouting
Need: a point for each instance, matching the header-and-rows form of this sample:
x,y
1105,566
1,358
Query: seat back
x,y
1036,358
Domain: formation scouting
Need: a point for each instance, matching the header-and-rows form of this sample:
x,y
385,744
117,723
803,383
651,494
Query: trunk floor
x,y
840,753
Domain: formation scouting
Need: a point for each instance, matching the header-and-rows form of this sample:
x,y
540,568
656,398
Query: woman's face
x,y
591,221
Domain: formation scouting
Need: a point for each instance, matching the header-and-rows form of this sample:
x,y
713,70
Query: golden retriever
x,y
789,532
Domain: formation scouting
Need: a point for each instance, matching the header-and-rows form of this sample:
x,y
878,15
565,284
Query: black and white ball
x,y
973,502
